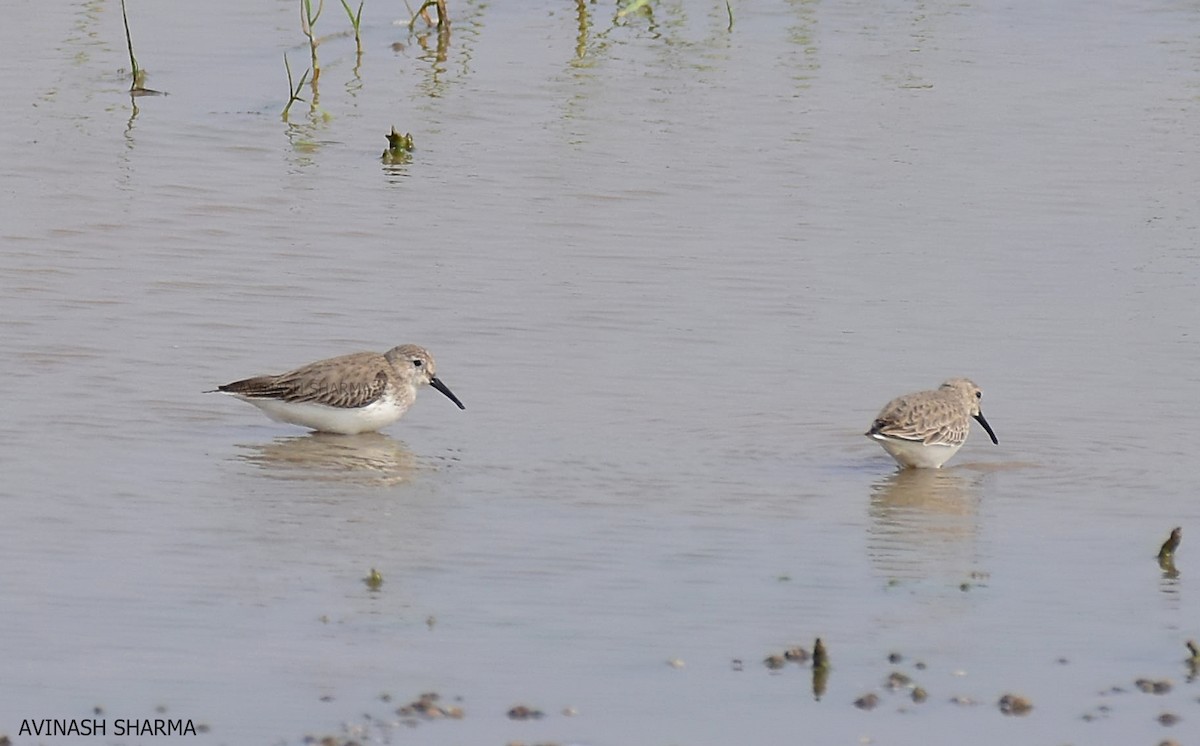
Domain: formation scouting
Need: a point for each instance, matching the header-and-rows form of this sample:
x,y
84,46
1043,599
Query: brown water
x,y
672,270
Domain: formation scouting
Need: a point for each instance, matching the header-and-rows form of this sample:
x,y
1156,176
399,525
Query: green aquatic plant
x,y
374,579
356,22
820,657
1167,551
729,10
293,88
399,149
443,16
632,7
139,76
138,86
308,20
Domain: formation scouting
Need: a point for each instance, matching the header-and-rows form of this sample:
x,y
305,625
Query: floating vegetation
x,y
1166,553
399,149
374,579
632,7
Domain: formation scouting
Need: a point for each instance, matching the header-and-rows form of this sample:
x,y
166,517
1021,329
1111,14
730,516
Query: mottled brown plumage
x,y
938,420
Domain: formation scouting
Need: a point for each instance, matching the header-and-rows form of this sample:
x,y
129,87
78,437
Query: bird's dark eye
x,y
418,363
978,394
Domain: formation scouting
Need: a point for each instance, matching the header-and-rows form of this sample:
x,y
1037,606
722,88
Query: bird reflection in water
x,y
924,522
367,458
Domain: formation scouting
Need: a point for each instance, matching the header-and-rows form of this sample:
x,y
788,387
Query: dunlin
x,y
357,393
925,429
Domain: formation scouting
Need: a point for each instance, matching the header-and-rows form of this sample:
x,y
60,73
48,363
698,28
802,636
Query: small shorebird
x,y
357,393
925,429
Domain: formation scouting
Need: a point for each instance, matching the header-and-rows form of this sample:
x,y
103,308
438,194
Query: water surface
x,y
673,270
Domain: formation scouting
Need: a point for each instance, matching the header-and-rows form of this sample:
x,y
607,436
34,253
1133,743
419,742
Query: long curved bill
x,y
978,418
437,384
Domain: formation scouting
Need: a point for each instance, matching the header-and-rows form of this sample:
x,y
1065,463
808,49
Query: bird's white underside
x,y
912,453
327,419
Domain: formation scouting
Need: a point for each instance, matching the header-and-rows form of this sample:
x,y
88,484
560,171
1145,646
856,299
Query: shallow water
x,y
673,271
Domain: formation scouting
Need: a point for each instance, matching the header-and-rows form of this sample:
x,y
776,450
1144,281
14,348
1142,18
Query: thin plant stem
x,y
356,22
308,20
137,73
293,88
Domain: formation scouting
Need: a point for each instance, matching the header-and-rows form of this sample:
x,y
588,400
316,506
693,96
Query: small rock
x,y
774,662
1015,704
867,701
919,694
896,681
736,664
521,712
1168,719
895,657
1151,686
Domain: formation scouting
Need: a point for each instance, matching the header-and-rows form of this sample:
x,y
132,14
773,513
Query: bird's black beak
x,y
978,417
437,384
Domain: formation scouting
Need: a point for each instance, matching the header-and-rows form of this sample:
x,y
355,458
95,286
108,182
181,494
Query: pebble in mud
x,y
867,701
1015,704
774,662
426,706
1150,686
919,694
521,712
